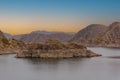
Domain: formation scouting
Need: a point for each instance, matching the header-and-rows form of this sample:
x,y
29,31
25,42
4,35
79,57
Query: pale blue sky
x,y
53,14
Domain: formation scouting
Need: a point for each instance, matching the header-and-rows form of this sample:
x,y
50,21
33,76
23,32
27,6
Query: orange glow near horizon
x,y
25,30
24,26
15,28
25,16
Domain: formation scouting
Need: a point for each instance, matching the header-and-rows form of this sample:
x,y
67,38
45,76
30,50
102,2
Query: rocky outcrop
x,y
10,46
16,44
55,49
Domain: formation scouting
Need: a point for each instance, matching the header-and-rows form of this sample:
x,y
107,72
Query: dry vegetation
x,y
54,45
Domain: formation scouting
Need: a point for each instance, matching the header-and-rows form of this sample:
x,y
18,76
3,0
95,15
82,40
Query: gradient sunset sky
x,y
24,16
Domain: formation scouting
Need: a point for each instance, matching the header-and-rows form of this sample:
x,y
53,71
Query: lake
x,y
97,68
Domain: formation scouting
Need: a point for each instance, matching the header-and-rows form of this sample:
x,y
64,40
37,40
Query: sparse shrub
x,y
16,43
54,45
73,45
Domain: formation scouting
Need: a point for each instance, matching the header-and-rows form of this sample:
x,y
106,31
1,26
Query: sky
x,y
24,16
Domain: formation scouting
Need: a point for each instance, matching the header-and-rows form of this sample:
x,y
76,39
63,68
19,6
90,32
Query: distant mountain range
x,y
41,36
99,35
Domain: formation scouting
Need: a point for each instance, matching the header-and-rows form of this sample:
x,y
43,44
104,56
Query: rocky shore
x,y
9,51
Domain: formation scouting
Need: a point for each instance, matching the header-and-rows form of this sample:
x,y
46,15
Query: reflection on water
x,y
52,61
98,68
115,57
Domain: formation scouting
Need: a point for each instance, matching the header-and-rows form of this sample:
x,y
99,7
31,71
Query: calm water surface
x,y
99,68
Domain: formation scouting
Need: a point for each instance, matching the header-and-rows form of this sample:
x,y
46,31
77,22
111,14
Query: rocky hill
x,y
88,33
9,46
99,35
112,36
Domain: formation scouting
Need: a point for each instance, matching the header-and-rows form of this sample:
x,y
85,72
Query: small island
x,y
55,49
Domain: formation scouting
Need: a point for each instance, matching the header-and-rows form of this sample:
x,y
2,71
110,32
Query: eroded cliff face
x,y
100,35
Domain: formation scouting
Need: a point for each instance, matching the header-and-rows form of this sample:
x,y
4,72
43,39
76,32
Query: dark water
x,y
99,68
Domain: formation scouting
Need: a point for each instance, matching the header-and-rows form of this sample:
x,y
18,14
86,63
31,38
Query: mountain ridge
x,y
108,36
42,36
